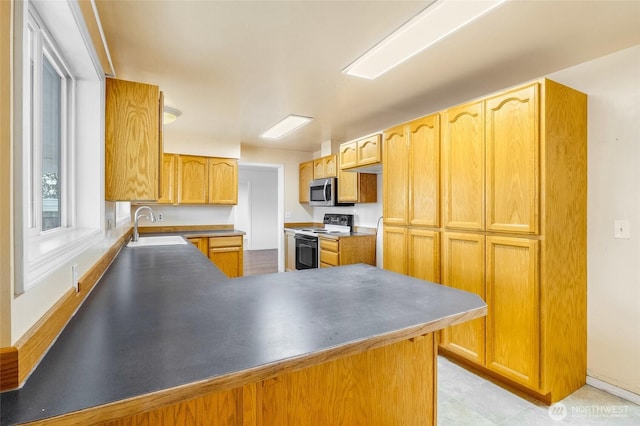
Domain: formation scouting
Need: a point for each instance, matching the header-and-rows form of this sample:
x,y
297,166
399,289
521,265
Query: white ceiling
x,y
235,68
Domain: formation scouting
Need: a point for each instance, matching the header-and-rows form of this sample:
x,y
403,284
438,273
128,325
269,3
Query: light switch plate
x,y
621,229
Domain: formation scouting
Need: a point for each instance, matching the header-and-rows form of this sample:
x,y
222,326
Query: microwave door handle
x,y
324,190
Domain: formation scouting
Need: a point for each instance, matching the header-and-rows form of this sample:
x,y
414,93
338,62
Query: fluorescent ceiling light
x,y
169,115
434,23
286,126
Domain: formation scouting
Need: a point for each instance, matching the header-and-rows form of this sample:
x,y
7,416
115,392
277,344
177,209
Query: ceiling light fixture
x,y
434,23
286,126
169,115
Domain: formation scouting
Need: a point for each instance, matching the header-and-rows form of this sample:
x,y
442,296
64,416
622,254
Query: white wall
x,y
187,215
263,206
613,275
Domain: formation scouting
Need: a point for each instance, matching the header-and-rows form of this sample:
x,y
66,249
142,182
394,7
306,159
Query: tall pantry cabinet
x,y
513,230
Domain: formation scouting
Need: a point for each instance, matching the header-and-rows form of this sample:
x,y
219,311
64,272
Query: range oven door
x,y
306,252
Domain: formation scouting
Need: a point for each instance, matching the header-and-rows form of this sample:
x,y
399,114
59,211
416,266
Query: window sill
x,y
47,253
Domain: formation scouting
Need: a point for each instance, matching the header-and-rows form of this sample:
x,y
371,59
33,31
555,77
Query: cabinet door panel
x,y
330,166
512,161
306,176
395,249
369,150
223,181
347,187
228,259
348,155
318,169
168,179
202,243
463,167
395,176
192,179
424,171
513,337
424,255
463,268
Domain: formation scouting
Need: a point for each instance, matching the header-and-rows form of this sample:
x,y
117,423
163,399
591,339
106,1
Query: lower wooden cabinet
x,y
227,254
347,250
412,251
290,251
395,249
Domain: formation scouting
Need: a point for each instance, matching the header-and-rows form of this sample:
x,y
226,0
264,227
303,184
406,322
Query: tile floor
x,y
467,399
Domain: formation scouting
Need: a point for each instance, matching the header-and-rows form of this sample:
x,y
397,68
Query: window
x,y
49,85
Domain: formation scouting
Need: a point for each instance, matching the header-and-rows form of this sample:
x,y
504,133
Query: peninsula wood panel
x,y
133,150
192,179
395,176
512,324
424,171
512,161
463,267
395,249
463,159
223,181
169,187
305,177
424,254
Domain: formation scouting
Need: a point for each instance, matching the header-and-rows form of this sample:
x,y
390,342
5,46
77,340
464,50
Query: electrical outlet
x,y
160,216
621,229
74,277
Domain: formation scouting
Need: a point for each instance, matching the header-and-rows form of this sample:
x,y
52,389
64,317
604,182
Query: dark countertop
x,y
163,316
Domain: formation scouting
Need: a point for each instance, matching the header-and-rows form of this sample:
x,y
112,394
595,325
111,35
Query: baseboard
x,y
613,390
19,361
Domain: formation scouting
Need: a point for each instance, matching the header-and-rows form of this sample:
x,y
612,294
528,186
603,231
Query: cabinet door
x,y
513,337
347,187
202,243
395,176
424,171
133,151
228,259
305,177
463,268
463,167
512,161
424,254
318,169
330,166
168,179
369,150
192,179
290,251
348,155
395,249
223,181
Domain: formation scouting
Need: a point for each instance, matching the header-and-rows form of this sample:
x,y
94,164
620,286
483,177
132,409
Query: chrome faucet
x,y
137,216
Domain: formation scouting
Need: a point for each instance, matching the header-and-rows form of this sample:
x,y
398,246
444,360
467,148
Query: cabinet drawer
x,y
235,241
329,257
330,245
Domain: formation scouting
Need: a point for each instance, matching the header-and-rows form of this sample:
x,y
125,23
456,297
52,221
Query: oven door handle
x,y
324,190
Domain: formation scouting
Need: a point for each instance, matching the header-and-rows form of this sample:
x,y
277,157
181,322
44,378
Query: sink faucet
x,y
137,216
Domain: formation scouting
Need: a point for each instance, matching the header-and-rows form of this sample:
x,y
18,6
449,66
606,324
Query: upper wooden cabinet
x,y
364,154
325,167
395,175
357,187
192,179
463,167
305,178
424,171
512,161
133,144
223,181
168,182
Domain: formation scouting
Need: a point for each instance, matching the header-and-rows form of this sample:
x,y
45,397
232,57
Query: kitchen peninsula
x,y
166,338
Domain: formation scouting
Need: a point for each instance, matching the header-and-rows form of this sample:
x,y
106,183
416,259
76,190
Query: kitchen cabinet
x,y
227,254
192,179
133,141
357,187
290,251
223,181
364,154
463,150
347,250
325,167
424,171
463,267
202,243
168,186
512,227
305,178
423,253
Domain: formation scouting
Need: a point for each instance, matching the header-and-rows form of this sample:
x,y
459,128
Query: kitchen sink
x,y
167,240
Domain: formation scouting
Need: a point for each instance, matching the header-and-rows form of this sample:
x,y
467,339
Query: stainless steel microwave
x,y
324,192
